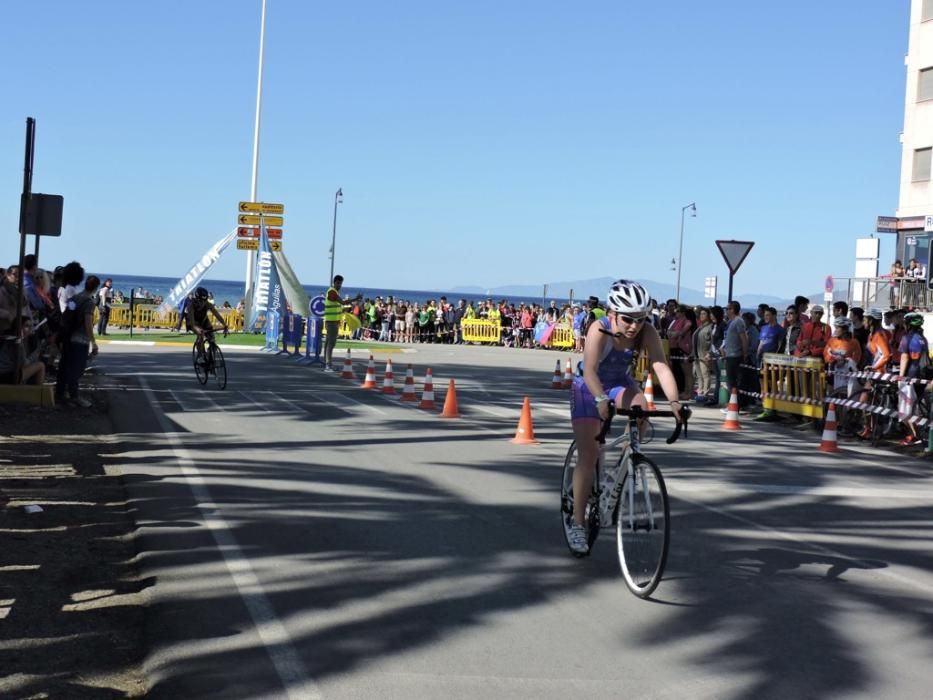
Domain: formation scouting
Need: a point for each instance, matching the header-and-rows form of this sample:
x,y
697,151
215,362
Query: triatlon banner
x,y
187,284
267,294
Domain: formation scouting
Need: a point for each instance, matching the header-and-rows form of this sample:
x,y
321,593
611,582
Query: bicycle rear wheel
x,y
885,420
643,532
566,499
218,366
200,364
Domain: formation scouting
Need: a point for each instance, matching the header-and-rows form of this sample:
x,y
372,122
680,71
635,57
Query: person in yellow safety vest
x,y
333,312
495,316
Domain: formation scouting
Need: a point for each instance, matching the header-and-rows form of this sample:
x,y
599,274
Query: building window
x,y
922,164
927,11
925,86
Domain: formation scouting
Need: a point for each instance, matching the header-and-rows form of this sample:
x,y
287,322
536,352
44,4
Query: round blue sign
x,y
316,306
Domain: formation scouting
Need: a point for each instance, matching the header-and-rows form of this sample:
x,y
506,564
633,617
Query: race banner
x,y
266,294
189,282
294,292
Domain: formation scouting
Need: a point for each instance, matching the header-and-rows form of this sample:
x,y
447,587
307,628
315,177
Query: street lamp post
x,y
338,199
680,256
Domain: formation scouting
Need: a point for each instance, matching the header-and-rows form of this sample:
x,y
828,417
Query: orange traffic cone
x,y
732,413
408,391
556,381
525,435
427,396
347,368
370,381
388,379
451,409
828,442
649,393
568,375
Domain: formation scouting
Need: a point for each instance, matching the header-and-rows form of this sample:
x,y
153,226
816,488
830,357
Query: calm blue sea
x,y
228,290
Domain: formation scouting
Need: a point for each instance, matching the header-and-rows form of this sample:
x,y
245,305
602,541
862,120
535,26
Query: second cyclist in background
x,y
198,316
613,341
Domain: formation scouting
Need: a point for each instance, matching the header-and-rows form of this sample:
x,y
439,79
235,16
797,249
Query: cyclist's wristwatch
x,y
602,397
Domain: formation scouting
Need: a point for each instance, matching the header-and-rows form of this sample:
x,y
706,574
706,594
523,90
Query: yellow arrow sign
x,y
247,244
275,245
252,220
262,208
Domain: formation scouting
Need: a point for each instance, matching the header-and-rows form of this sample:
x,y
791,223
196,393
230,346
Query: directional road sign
x,y
275,245
247,232
253,220
274,233
261,208
247,244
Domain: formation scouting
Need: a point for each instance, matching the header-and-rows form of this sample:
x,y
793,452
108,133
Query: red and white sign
x,y
275,234
247,232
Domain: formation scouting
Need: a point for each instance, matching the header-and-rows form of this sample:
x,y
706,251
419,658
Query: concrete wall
x,y
916,198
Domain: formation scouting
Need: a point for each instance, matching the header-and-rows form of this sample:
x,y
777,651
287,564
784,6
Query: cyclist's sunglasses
x,y
631,320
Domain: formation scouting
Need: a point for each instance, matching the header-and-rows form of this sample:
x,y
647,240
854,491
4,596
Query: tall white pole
x,y
250,255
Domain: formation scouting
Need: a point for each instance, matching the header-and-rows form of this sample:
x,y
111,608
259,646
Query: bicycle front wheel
x,y
566,499
643,532
200,365
218,366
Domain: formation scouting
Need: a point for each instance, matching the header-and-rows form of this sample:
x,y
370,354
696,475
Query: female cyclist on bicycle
x,y
612,343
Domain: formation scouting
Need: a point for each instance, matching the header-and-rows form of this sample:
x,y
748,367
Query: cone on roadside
x,y
732,413
557,381
828,443
568,375
388,379
649,393
451,409
525,434
347,367
427,395
370,381
408,391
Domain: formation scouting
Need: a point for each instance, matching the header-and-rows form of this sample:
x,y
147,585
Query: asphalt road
x,y
307,538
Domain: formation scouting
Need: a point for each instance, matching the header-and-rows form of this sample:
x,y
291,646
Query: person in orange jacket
x,y
879,352
814,336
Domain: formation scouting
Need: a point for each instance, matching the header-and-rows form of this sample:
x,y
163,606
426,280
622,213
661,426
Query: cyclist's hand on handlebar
x,y
603,408
678,412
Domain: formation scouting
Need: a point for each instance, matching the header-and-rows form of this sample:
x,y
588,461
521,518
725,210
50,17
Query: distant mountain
x,y
661,291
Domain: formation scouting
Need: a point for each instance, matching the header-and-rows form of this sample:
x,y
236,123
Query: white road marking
x,y
275,638
374,409
254,402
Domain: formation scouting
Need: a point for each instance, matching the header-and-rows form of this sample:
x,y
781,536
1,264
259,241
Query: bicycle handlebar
x,y
637,412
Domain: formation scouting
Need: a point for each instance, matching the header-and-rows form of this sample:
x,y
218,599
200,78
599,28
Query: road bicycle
x,y
635,504
210,361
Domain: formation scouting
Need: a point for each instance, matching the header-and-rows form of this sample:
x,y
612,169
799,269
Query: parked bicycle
x,y
631,496
209,362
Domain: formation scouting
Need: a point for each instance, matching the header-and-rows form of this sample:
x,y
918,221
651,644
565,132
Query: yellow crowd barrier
x,y
348,324
562,337
793,384
149,316
641,363
480,330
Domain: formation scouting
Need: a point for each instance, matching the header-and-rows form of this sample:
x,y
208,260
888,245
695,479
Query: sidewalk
x,y
71,604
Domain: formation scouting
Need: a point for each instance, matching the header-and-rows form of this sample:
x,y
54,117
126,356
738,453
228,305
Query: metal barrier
x,y
793,384
479,330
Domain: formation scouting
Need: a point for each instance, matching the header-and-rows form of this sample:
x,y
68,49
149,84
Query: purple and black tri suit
x,y
614,373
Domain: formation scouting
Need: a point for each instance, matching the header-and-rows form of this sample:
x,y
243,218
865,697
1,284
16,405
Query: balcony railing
x,y
883,292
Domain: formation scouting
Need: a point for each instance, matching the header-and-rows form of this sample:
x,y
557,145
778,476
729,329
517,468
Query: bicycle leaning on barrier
x,y
631,496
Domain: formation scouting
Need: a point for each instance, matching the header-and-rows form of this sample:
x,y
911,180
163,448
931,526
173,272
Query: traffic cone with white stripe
x,y
347,367
829,442
556,381
568,375
408,391
649,393
427,396
388,379
370,381
732,413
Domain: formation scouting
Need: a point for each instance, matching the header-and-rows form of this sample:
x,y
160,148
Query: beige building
x,y
914,218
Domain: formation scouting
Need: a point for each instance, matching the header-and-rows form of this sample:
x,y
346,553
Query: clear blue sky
x,y
479,142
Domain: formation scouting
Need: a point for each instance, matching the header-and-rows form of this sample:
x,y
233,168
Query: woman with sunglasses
x,y
612,344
